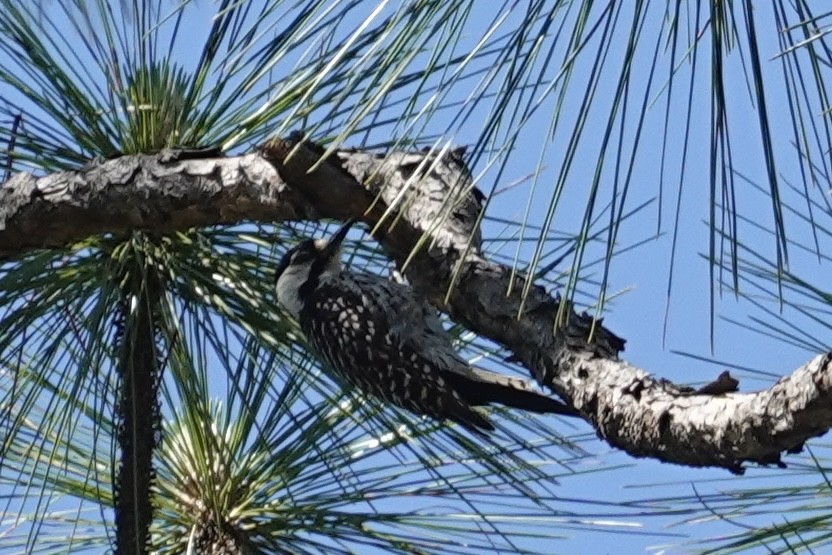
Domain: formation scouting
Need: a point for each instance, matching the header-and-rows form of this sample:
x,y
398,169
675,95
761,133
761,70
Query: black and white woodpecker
x,y
380,337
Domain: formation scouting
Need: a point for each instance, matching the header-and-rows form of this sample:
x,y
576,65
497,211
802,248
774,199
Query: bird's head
x,y
303,266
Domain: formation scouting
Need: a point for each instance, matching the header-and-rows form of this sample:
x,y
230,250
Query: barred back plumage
x,y
382,338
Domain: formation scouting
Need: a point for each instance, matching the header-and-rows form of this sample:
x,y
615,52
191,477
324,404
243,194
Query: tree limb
x,y
138,192
644,416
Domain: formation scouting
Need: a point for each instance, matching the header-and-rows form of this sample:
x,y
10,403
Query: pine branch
x,y
644,416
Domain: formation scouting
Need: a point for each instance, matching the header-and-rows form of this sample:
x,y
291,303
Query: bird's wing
x,y
350,321
414,316
418,328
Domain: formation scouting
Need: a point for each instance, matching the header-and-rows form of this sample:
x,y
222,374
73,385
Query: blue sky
x,y
638,314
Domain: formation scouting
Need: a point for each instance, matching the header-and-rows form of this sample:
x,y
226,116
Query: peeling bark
x,y
578,360
653,418
138,192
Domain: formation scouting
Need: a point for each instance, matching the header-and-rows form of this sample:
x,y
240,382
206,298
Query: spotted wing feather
x,y
417,325
351,325
380,337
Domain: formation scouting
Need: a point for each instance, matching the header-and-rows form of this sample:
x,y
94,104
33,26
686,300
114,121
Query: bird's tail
x,y
481,387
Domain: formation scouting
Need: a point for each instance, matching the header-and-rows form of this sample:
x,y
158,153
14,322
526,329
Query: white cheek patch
x,y
288,288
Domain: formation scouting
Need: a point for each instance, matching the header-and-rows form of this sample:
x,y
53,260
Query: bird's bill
x,y
335,241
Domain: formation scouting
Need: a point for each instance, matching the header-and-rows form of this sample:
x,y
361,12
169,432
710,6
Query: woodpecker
x,y
380,337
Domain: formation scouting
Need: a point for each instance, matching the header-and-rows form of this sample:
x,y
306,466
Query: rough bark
x,y
578,359
138,415
138,192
